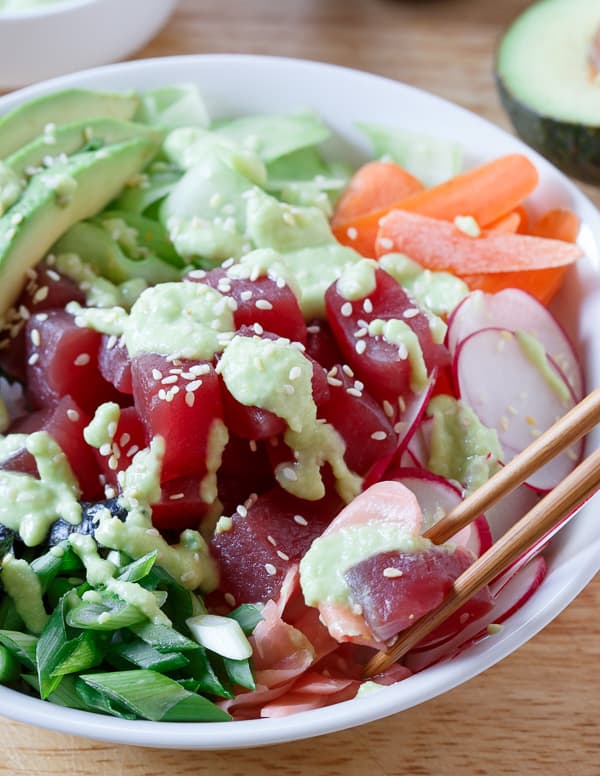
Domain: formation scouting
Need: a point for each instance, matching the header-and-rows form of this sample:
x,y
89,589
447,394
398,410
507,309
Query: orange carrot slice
x,y
490,262
524,223
487,193
508,224
373,186
558,224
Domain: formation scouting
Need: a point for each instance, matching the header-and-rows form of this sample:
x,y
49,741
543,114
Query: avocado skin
x,y
100,176
574,148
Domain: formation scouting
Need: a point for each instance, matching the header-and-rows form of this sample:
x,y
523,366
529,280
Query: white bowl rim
x,y
56,8
412,691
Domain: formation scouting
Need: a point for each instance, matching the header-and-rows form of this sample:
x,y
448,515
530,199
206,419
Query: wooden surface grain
x,y
537,711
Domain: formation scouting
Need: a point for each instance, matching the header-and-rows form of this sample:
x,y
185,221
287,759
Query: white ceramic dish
x,y
244,84
66,36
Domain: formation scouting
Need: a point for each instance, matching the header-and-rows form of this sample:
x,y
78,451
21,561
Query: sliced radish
x,y
516,310
509,509
419,444
510,394
437,497
507,601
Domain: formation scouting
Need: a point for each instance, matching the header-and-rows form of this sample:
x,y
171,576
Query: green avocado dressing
x,y
357,280
274,375
29,506
22,584
99,292
536,353
462,448
400,334
437,292
180,320
330,556
102,428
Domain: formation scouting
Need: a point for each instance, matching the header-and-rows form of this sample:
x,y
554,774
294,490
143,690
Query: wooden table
x,y
536,712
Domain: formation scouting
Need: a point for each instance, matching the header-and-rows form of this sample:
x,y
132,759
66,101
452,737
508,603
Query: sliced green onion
x,y
57,654
22,645
9,667
9,617
162,637
153,696
109,613
144,656
138,569
64,695
94,700
248,617
210,674
222,635
240,673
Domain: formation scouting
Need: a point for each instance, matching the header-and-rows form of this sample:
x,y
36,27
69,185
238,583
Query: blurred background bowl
x,y
68,35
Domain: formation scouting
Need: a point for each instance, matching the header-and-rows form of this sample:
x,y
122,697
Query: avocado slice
x,y
57,198
74,137
42,115
548,77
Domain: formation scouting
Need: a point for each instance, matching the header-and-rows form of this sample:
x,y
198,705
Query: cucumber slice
x,y
548,76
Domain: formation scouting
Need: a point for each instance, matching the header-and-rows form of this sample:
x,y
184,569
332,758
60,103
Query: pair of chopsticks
x,y
560,502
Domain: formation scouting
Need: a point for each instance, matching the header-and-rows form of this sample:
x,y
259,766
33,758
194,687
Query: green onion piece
x,y
248,616
64,695
57,654
138,569
180,604
9,617
95,700
9,667
22,645
108,614
144,656
209,674
59,560
154,696
56,590
191,685
162,637
240,673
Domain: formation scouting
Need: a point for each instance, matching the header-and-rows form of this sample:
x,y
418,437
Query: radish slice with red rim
x,y
509,393
516,310
437,496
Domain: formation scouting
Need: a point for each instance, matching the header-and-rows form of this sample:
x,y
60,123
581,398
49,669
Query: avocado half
x,y
548,77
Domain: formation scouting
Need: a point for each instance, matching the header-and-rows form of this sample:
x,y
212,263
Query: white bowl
x,y
69,35
245,84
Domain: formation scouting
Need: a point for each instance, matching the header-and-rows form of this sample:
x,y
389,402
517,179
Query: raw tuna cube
x,y
394,589
265,538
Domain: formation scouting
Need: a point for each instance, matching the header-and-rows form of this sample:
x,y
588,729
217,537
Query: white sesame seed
x,y
347,370
263,304
41,317
288,389
352,232
132,451
36,338
246,296
73,415
170,380
241,510
354,392
300,520
176,496
290,474
346,309
111,429
378,436
193,386
197,274
271,540
399,427
113,463
282,555
361,333
270,569
24,312
390,572
410,312
229,599
40,295
33,359
252,445
334,382
125,439
388,408
82,359
111,342
294,373
402,352
360,347
313,329
190,399
258,329
53,275
162,394
386,243
367,306
105,449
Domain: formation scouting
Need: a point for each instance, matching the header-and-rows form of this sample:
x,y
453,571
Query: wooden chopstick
x,y
578,422
578,486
